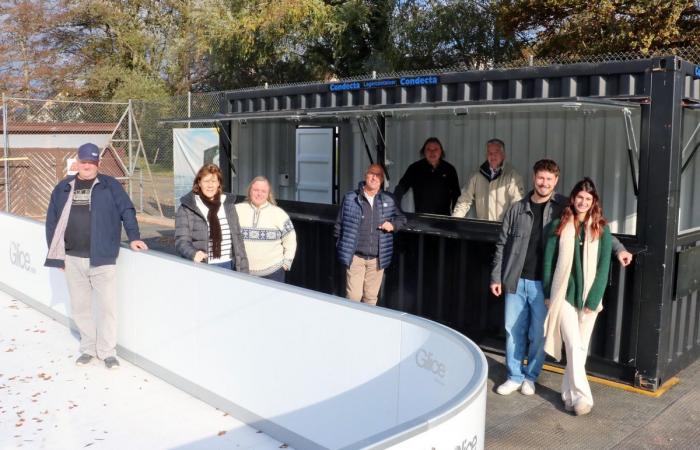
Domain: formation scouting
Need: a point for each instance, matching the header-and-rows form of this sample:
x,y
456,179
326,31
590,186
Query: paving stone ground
x,y
619,420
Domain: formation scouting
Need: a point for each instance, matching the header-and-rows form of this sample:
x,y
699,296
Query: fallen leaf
x,y
221,433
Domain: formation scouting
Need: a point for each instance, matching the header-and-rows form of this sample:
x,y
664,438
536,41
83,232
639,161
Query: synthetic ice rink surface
x,y
47,402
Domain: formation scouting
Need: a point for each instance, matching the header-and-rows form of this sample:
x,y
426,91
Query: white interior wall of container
x,y
587,141
584,143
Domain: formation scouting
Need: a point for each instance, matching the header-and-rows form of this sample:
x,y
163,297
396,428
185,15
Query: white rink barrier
x,y
309,369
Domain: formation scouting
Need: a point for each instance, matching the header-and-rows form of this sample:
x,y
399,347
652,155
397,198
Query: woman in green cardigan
x,y
576,267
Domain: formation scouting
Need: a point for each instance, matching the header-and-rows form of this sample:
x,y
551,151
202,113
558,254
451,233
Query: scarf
x,y
560,282
214,225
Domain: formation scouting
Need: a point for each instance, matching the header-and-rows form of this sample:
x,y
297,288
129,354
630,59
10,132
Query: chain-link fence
x,y
157,137
690,54
40,140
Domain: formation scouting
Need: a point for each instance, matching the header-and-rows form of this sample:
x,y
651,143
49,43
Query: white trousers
x,y
576,329
85,284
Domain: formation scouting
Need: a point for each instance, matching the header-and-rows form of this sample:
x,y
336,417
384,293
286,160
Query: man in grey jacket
x,y
517,271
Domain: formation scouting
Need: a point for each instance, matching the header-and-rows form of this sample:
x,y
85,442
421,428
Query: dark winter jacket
x,y
435,189
511,248
192,231
347,226
110,206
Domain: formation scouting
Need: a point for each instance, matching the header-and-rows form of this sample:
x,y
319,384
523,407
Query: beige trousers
x,y
98,328
364,279
576,329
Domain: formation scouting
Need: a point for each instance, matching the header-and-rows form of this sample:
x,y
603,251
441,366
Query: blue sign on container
x,y
391,82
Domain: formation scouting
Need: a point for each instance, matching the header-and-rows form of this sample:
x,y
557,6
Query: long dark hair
x,y
594,214
432,140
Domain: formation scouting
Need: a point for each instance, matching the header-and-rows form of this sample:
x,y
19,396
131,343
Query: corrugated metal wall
x,y
268,147
584,143
263,147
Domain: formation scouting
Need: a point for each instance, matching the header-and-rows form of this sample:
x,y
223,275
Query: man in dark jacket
x,y
365,243
83,231
433,180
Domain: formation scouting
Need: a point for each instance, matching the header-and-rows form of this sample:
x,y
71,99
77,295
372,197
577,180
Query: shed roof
x,y
61,127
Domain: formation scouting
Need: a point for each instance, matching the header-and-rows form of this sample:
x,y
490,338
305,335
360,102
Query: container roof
x,y
447,108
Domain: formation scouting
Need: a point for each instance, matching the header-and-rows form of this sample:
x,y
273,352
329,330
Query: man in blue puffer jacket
x,y
83,231
365,243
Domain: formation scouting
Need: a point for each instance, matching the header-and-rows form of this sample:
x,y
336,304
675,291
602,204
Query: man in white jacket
x,y
492,188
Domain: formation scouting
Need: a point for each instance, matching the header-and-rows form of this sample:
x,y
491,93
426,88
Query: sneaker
x,y
528,388
581,408
111,363
84,360
508,387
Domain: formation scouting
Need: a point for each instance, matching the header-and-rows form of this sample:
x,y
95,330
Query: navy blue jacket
x,y
109,207
347,226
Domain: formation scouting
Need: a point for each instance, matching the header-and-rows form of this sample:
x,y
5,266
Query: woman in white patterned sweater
x,y
268,233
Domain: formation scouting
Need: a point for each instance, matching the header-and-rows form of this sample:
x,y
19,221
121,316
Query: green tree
x,y
262,41
130,48
448,33
362,37
578,27
28,64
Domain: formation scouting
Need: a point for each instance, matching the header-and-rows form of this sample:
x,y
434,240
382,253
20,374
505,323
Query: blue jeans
x,y
277,275
225,265
525,315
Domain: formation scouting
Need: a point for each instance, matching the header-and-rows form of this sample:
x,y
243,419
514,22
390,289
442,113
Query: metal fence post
x,y
131,158
6,153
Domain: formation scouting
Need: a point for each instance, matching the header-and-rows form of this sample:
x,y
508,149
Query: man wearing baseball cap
x,y
83,231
